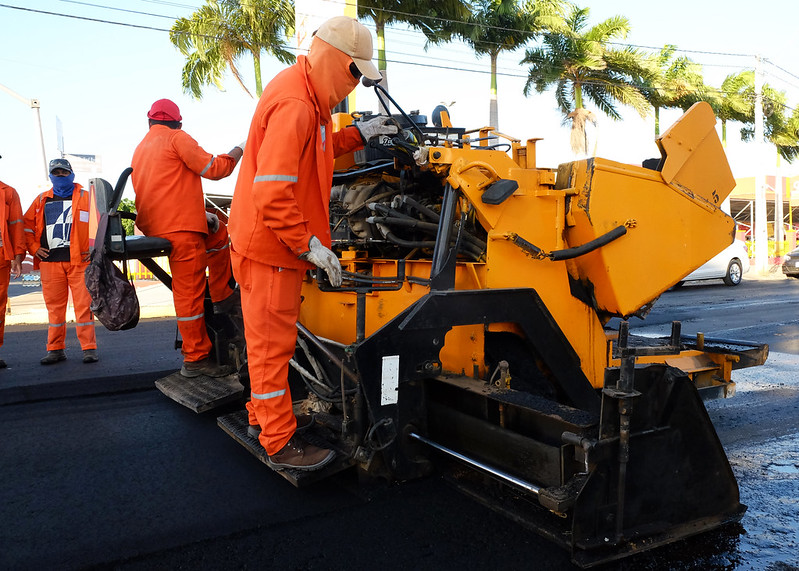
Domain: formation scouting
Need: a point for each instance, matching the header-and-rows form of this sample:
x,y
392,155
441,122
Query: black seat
x,y
118,245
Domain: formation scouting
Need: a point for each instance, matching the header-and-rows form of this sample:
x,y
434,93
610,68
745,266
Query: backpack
x,y
114,300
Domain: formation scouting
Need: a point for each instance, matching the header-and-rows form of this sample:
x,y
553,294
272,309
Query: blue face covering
x,y
63,185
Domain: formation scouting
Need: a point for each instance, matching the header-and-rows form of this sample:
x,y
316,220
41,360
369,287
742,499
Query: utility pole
x,y
33,104
761,216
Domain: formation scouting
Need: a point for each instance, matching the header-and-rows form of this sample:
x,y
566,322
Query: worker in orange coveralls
x,y
57,234
168,167
12,248
279,224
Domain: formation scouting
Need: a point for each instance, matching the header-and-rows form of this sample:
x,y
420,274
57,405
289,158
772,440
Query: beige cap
x,y
352,38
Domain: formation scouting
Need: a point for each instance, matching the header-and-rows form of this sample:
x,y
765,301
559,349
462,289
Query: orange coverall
x,y
12,244
282,199
61,278
167,168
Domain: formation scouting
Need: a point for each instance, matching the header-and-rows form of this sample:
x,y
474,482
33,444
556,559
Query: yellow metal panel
x,y
332,315
695,160
671,233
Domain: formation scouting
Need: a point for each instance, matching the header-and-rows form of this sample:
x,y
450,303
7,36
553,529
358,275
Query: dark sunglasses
x,y
356,73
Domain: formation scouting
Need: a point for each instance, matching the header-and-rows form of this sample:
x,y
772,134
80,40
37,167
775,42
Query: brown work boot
x,y
205,367
301,455
304,422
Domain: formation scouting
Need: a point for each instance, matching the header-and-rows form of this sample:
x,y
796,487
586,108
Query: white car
x,y
729,265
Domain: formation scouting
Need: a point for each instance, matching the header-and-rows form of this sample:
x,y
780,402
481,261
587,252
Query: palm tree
x,y
735,101
221,31
420,14
730,102
672,80
580,63
779,128
494,26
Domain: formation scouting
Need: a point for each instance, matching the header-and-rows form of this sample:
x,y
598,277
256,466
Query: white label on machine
x,y
389,380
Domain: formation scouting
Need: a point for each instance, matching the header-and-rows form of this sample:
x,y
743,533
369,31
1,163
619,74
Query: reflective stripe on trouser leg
x,y
270,301
5,279
217,251
55,290
187,261
82,301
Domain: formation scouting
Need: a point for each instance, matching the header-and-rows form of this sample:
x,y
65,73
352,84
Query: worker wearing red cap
x,y
57,234
12,248
168,166
279,223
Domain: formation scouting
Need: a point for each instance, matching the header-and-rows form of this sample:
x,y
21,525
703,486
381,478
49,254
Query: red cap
x,y
164,110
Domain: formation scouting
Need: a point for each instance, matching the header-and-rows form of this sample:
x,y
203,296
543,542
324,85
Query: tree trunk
x,y
657,121
256,58
579,135
493,108
380,28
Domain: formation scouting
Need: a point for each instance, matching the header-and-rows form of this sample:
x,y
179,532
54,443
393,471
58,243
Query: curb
x,y
101,385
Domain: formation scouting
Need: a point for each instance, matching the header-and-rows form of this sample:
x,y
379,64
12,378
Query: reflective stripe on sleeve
x,y
192,318
267,396
15,221
208,166
28,230
275,177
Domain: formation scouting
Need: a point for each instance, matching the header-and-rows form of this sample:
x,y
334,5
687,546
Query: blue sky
x,y
99,80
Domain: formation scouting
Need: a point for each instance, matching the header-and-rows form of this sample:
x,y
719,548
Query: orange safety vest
x,y
167,169
12,228
78,237
282,195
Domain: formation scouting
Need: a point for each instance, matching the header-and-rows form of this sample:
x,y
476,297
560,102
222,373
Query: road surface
x,y
129,480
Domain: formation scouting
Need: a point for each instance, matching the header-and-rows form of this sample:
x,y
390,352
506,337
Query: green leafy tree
x,y
730,101
780,128
494,26
420,14
671,80
127,205
220,32
581,64
735,101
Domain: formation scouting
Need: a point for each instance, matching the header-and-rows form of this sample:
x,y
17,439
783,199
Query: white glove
x,y
241,145
213,222
381,125
324,259
421,155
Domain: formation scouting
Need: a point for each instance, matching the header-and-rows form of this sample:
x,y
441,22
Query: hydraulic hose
x,y
568,253
474,249
594,244
429,212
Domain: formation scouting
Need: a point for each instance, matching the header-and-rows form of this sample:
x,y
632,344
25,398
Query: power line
x,y
398,62
85,18
542,33
117,9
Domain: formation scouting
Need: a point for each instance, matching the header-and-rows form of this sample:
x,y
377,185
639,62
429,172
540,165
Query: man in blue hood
x,y
57,235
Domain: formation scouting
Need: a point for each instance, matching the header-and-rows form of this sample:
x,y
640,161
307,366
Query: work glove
x,y
241,145
420,155
213,222
323,258
381,125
